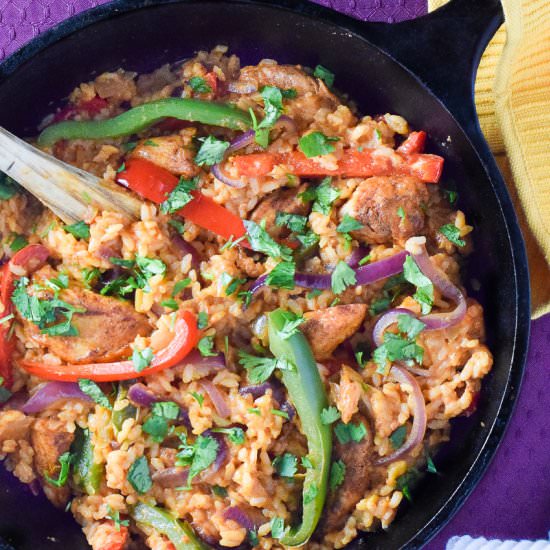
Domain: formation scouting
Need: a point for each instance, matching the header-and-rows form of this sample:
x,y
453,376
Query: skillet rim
x,y
518,355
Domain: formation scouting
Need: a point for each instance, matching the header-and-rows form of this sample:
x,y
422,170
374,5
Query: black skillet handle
x,y
443,49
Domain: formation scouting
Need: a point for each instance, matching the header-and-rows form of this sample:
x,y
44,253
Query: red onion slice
x,y
356,256
365,275
16,402
238,143
52,392
239,516
217,398
141,396
185,248
277,391
170,478
204,365
416,246
386,320
418,429
220,175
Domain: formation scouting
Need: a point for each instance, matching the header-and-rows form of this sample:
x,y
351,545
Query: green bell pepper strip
x,y
140,117
179,532
87,473
307,394
120,415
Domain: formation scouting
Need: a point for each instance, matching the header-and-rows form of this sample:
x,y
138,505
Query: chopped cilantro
x,y
410,325
349,224
290,325
202,320
337,474
233,286
211,151
89,275
401,213
308,239
255,410
282,275
324,74
142,359
282,414
235,435
8,187
253,538
166,409
430,466
365,260
261,368
313,293
342,277
179,196
114,516
273,106
398,436
285,465
65,461
91,389
219,491
177,225
199,397
180,285
316,144
329,415
396,348
80,230
19,242
325,195
198,456
452,196
245,296
150,143
350,432
121,168
294,222
289,93
261,241
199,85
170,304
452,233
206,346
424,294
277,527
138,475
380,305
157,427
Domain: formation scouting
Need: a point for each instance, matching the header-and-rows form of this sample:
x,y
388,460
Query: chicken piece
x,y
327,328
168,152
389,207
105,330
14,425
49,443
280,200
357,459
269,73
347,393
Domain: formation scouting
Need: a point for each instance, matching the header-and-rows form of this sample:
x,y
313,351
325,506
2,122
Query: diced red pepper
x,y
413,144
92,107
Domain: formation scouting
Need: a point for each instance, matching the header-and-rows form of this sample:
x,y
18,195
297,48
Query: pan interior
x,y
144,39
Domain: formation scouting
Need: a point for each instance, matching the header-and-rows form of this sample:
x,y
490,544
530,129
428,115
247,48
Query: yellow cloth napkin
x,y
513,104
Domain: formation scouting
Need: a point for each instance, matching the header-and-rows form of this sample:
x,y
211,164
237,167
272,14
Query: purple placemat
x,y
513,499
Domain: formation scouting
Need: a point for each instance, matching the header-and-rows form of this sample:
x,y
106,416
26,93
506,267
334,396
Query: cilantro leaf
x,y
170,303
401,213
166,409
410,325
290,325
138,475
307,240
452,233
424,294
342,277
324,74
199,85
219,491
8,187
349,224
198,456
316,144
199,397
19,242
142,359
261,241
114,516
285,465
337,474
202,320
350,432
277,527
289,93
398,436
91,389
325,195
180,285
157,427
261,368
329,415
80,230
430,466
206,346
273,106
282,275
211,151
235,435
65,461
294,222
179,196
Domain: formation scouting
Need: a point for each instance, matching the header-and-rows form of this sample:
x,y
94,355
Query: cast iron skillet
x,y
422,70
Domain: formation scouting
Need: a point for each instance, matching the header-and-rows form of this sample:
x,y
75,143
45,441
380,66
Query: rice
x,y
455,360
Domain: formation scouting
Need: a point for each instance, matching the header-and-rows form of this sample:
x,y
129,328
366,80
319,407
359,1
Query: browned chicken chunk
x,y
280,200
390,208
105,330
14,425
281,76
168,152
327,328
357,460
49,443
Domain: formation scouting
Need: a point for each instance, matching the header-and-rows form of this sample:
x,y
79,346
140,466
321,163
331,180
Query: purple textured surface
x,y
513,499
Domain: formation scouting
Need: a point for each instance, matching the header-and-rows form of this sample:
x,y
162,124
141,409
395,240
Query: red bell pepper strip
x,y
413,144
92,107
185,339
30,258
155,183
353,164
